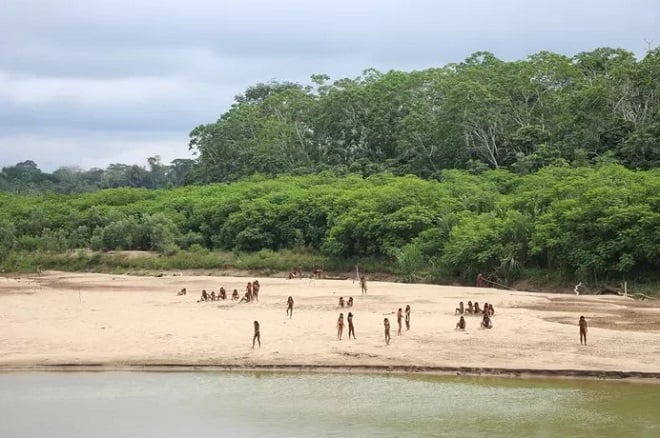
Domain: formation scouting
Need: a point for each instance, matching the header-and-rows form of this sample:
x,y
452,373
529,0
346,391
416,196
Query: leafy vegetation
x,y
595,223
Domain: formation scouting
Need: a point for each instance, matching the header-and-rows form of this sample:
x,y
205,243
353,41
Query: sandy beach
x,y
115,321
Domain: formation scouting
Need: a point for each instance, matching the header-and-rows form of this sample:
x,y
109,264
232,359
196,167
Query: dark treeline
x,y
480,114
593,222
27,178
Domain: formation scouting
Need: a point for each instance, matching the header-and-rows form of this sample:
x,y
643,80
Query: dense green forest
x,y
595,223
545,167
479,114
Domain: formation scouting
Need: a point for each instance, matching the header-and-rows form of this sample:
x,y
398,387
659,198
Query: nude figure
x,y
340,326
583,330
351,328
257,334
289,306
255,289
386,323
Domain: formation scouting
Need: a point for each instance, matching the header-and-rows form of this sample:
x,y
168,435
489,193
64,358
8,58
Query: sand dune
x,y
118,320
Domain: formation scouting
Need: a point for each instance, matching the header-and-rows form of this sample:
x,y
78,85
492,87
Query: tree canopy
x,y
596,222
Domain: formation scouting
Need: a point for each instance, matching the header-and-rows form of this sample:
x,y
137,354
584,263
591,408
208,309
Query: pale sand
x,y
118,320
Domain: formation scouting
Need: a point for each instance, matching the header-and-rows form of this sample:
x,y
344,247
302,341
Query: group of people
x,y
340,326
343,303
473,309
297,272
251,293
400,315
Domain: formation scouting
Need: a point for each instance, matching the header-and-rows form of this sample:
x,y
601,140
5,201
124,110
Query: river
x,y
257,404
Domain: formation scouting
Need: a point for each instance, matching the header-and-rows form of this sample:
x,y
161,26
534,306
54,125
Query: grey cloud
x,y
155,69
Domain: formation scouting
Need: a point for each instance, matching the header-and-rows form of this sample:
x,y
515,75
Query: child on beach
x,y
340,326
289,307
386,323
351,329
583,330
257,334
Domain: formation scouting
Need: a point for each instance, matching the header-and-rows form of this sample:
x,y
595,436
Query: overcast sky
x,y
95,82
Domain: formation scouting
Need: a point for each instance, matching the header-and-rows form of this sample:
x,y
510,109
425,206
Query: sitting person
x,y
213,298
349,303
485,309
491,311
341,302
246,297
234,295
460,325
477,309
182,292
460,309
204,297
470,308
486,322
222,294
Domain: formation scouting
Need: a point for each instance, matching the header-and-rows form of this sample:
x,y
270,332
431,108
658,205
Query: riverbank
x,y
73,320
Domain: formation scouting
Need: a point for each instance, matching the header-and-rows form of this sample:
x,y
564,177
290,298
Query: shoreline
x,y
560,374
64,321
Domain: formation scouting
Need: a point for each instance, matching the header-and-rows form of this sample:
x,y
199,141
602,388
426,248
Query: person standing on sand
x,y
407,317
583,330
399,317
289,307
363,285
257,334
255,289
351,329
386,323
340,326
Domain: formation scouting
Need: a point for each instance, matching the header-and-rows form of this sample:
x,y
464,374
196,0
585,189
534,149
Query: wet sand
x,y
62,319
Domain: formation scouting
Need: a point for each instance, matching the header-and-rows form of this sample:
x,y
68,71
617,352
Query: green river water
x,y
259,404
